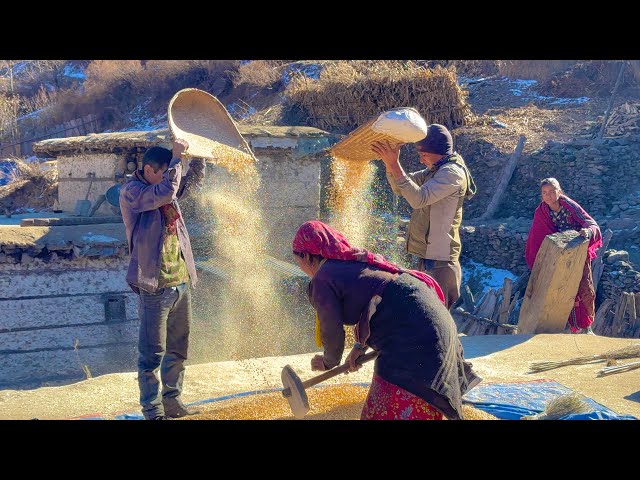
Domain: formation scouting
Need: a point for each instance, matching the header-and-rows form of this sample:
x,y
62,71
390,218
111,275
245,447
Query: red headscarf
x,y
317,238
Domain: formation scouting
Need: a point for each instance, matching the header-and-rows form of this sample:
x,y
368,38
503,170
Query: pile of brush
x,y
349,93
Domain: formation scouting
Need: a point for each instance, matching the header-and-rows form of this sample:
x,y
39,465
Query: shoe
x,y
180,412
158,417
589,331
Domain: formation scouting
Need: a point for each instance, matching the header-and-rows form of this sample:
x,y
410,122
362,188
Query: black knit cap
x,y
438,140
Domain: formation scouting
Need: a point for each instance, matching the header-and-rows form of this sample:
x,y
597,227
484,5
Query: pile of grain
x,y
335,402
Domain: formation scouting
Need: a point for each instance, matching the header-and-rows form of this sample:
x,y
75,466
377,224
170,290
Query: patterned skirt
x,y
583,313
387,401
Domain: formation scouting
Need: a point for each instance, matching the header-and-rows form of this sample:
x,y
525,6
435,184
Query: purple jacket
x,y
140,204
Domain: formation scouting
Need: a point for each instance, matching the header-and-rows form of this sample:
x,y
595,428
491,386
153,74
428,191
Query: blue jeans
x,y
165,318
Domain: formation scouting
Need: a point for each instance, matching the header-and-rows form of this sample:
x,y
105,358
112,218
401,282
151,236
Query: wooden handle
x,y
338,370
97,205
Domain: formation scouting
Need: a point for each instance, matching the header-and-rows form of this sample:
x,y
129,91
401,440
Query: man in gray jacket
x,y
436,195
161,272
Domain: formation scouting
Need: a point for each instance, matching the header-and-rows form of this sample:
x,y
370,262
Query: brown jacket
x,y
436,195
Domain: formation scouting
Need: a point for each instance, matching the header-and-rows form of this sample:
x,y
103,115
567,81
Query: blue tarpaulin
x,y
511,401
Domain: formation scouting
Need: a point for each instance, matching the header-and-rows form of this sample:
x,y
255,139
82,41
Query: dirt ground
x,y
499,358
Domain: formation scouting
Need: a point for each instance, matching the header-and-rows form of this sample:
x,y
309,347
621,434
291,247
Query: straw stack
x,y
348,94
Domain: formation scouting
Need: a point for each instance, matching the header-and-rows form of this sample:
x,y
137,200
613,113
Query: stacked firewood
x,y
619,319
496,313
624,120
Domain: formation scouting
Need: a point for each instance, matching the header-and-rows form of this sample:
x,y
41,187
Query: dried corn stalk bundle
x,y
610,370
626,352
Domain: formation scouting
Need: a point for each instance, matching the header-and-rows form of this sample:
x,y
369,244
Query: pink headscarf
x,y
317,238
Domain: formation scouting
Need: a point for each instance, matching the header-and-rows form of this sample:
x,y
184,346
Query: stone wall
x,y
596,176
67,311
497,244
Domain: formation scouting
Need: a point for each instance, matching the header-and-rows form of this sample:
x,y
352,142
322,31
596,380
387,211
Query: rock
x,y
613,224
624,206
616,256
632,213
627,222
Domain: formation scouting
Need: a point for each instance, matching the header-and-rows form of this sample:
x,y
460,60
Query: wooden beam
x,y
521,283
621,307
507,173
506,301
488,304
467,298
483,324
597,265
601,316
553,283
67,221
636,333
631,310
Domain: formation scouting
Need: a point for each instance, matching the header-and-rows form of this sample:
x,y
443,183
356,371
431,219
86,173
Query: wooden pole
x,y
504,181
597,265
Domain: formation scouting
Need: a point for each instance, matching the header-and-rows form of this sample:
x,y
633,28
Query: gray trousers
x,y
165,318
447,274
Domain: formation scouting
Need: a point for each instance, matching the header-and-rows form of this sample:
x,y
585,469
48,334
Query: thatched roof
x,y
108,142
